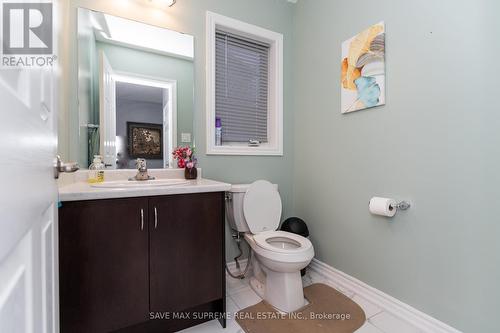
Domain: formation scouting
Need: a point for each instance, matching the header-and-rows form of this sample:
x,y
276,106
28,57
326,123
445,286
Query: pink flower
x,y
181,163
185,157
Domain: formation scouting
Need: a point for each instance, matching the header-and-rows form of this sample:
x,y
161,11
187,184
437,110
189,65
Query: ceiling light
x,y
169,3
144,36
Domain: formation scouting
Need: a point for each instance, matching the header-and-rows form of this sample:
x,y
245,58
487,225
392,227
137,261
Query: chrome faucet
x,y
142,170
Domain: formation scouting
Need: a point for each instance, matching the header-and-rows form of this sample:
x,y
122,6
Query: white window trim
x,y
275,104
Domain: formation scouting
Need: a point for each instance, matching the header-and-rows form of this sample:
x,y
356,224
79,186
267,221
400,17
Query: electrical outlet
x,y
186,137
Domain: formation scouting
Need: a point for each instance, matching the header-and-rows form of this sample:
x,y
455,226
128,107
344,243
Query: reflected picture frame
x,y
145,140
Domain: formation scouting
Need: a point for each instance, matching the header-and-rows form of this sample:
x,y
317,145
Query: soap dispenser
x,y
96,170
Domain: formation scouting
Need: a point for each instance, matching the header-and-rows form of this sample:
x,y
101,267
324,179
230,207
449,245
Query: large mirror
x,y
135,91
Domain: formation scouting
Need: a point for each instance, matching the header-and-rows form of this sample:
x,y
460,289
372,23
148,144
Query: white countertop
x,y
75,187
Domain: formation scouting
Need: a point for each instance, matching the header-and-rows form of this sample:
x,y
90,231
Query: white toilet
x,y
278,255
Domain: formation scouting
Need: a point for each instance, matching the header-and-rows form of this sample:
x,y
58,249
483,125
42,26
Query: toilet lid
x,y
262,207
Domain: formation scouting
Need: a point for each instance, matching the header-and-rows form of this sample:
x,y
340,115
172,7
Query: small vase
x,y
190,173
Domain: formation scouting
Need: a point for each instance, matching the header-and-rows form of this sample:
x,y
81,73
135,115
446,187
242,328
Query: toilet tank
x,y
234,207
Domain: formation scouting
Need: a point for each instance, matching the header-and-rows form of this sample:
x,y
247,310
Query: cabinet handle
x,y
142,219
156,218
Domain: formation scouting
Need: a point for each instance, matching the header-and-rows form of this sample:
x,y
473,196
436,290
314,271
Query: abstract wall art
x,y
363,70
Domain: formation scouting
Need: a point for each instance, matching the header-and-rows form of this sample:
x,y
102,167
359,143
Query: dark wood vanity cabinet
x,y
185,251
122,261
103,265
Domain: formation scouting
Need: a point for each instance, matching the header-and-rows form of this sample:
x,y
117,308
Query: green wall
x,y
435,143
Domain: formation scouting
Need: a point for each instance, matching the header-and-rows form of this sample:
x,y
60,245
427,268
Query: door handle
x,y
156,217
142,219
60,166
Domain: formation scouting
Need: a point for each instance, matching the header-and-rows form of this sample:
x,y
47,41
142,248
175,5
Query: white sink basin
x,y
144,184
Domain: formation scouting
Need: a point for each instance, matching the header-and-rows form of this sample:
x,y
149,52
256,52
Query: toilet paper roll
x,y
383,206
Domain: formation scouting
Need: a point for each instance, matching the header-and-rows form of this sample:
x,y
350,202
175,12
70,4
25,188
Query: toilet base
x,y
284,291
258,287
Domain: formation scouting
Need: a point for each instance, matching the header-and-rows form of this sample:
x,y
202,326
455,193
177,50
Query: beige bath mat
x,y
328,311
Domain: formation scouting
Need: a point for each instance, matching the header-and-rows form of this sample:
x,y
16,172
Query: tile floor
x,y
240,295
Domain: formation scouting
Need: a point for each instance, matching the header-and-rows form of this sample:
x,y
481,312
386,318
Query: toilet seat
x,y
262,207
281,257
282,242
262,211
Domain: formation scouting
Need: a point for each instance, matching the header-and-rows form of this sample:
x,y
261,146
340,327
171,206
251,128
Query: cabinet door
x,y
186,250
104,280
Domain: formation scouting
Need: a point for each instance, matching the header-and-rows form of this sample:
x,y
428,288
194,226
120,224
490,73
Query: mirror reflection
x,y
135,91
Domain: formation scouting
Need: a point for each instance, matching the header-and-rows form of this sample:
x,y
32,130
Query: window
x,y
244,88
241,87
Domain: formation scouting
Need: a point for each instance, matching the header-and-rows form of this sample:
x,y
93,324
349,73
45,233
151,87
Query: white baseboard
x,y
388,303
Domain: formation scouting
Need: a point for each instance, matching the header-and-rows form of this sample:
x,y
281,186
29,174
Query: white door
x,y
28,197
169,122
107,112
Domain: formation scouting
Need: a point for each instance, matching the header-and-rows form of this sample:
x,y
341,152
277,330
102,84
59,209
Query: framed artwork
x,y
145,140
363,70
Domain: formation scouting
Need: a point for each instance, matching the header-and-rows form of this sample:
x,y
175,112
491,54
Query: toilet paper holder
x,y
402,205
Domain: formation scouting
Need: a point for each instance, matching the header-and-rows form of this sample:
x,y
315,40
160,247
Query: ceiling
x,y
138,93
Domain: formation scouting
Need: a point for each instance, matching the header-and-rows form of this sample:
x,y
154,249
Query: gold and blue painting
x,y
363,70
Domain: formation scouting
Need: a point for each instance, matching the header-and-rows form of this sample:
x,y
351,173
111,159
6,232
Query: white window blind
x,y
241,87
